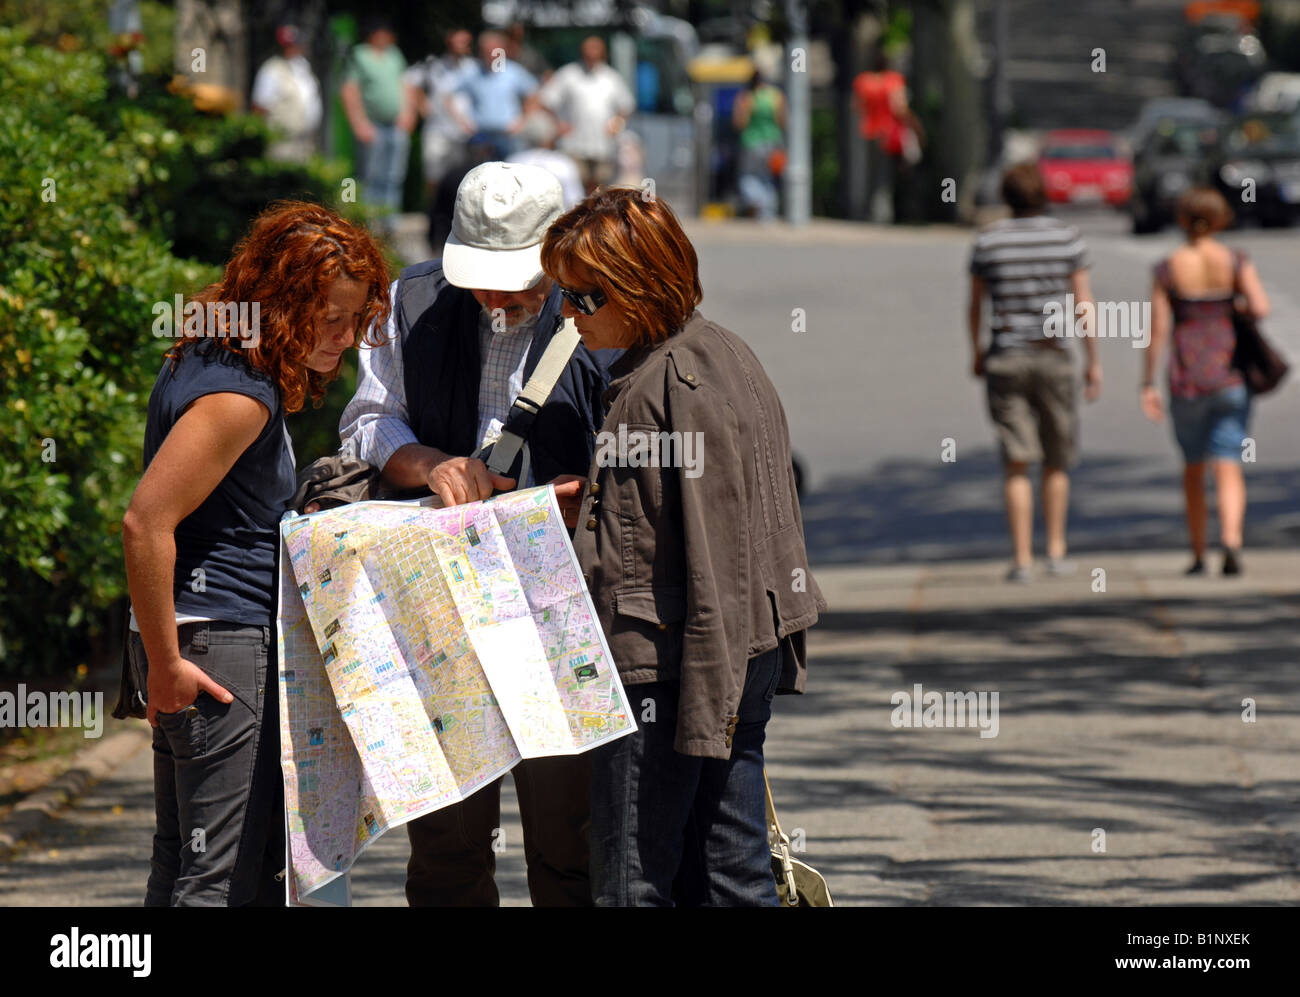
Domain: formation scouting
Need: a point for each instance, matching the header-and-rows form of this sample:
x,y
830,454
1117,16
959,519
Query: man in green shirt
x,y
381,110
759,116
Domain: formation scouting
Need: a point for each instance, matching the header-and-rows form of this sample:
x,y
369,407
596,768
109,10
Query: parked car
x,y
1163,109
1085,166
1257,167
1172,158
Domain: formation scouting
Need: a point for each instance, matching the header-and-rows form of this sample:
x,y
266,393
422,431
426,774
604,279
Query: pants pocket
x,y
185,730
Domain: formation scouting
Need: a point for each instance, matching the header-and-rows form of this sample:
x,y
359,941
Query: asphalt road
x,y
879,378
1119,711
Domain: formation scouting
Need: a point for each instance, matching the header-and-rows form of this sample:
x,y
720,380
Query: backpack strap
x,y
530,401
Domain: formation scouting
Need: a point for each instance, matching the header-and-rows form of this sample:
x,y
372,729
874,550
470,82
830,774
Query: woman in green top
x,y
759,116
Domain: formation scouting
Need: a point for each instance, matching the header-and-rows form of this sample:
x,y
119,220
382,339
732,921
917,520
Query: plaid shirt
x,y
375,424
502,375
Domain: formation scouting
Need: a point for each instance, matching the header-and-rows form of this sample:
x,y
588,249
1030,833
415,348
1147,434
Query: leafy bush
x,y
96,187
78,277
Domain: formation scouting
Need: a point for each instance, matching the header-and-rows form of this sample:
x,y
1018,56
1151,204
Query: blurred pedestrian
x,y
219,473
591,103
759,116
518,50
538,140
1026,264
1192,300
893,133
500,92
287,94
435,79
688,560
380,106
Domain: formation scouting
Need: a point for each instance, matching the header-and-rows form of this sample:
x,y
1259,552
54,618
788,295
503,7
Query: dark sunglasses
x,y
585,303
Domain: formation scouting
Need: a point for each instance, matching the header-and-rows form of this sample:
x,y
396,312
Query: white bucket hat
x,y
502,213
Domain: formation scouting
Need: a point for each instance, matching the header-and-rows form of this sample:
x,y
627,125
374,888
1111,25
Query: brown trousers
x,y
452,860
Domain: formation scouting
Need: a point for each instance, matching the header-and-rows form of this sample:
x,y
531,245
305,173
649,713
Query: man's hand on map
x,y
569,489
173,688
458,480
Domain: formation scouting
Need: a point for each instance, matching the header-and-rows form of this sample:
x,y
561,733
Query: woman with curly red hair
x,y
201,538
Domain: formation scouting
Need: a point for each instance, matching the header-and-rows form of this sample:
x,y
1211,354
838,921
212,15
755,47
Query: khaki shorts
x,y
1033,400
595,172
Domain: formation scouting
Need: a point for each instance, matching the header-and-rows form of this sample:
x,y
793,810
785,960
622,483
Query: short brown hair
x,y
1202,210
642,260
1023,189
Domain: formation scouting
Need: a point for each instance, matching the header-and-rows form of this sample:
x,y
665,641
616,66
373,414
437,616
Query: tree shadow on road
x,y
1080,664
927,511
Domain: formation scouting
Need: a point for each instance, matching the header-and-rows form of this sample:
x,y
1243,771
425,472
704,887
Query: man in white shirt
x,y
435,79
287,93
591,102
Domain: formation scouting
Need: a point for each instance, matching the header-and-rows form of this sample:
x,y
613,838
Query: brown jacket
x,y
693,548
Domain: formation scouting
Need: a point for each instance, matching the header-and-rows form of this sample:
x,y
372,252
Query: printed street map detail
x,y
423,652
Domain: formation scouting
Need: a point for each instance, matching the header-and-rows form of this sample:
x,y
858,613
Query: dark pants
x,y
218,797
452,857
668,828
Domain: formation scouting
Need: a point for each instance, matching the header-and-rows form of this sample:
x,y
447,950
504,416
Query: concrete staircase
x,y
1050,63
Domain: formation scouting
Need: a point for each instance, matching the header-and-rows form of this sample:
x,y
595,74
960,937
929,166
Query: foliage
x,y
826,162
78,276
205,178
82,25
96,188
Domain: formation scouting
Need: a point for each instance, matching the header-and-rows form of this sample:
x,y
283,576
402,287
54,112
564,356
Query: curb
x,y
32,814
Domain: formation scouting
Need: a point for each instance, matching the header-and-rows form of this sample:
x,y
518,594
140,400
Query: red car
x,y
1085,166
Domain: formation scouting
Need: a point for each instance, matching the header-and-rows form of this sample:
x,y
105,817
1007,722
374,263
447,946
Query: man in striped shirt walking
x,y
1026,265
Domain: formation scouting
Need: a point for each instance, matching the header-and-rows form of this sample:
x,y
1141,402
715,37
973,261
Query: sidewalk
x,y
1119,710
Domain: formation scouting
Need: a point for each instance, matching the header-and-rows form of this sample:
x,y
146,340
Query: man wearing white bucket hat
x,y
436,407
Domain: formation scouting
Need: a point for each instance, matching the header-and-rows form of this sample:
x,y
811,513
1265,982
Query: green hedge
x,y
98,190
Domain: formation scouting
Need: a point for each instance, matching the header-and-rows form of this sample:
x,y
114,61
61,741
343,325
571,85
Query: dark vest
x,y
442,368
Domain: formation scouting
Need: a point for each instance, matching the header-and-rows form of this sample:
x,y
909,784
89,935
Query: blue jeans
x,y
218,797
502,144
668,828
758,188
1212,426
382,164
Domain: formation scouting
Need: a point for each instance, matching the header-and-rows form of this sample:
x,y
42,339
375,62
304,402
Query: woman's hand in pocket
x,y
178,684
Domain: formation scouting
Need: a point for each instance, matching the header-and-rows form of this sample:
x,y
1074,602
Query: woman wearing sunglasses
x,y
201,536
692,546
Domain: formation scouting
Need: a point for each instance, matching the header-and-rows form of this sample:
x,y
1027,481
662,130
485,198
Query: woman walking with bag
x,y
201,539
1192,302
691,543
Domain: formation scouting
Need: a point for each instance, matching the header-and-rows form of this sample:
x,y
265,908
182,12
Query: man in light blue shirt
x,y
500,93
